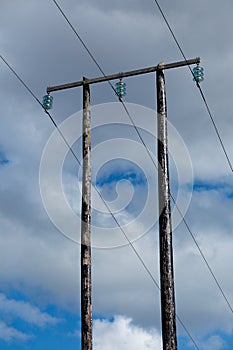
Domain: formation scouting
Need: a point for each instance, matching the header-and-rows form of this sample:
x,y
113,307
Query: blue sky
x,y
40,270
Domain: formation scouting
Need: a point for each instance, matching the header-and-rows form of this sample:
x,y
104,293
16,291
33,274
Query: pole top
x,y
161,65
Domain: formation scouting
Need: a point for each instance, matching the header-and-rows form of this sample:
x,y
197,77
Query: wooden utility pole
x,y
86,290
165,227
166,257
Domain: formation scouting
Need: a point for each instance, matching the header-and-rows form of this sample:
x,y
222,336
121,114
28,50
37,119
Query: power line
x,y
143,142
79,37
38,101
198,85
207,264
99,193
215,126
21,81
79,163
222,145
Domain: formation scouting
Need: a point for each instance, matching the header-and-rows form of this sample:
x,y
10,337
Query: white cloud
x,y
26,312
34,256
122,334
10,333
214,342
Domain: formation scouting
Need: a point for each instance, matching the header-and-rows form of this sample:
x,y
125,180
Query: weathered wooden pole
x,y
166,259
165,228
86,288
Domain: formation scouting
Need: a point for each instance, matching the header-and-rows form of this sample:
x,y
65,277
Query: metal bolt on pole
x,y
86,290
165,228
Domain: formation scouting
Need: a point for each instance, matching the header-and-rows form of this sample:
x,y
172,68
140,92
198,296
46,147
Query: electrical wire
x,y
221,143
99,193
144,144
79,163
198,85
206,262
38,101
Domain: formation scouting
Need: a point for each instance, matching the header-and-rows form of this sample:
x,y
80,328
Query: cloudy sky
x,y
40,180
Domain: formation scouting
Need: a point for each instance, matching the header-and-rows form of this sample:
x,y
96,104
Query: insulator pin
x,y
120,89
198,73
47,102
